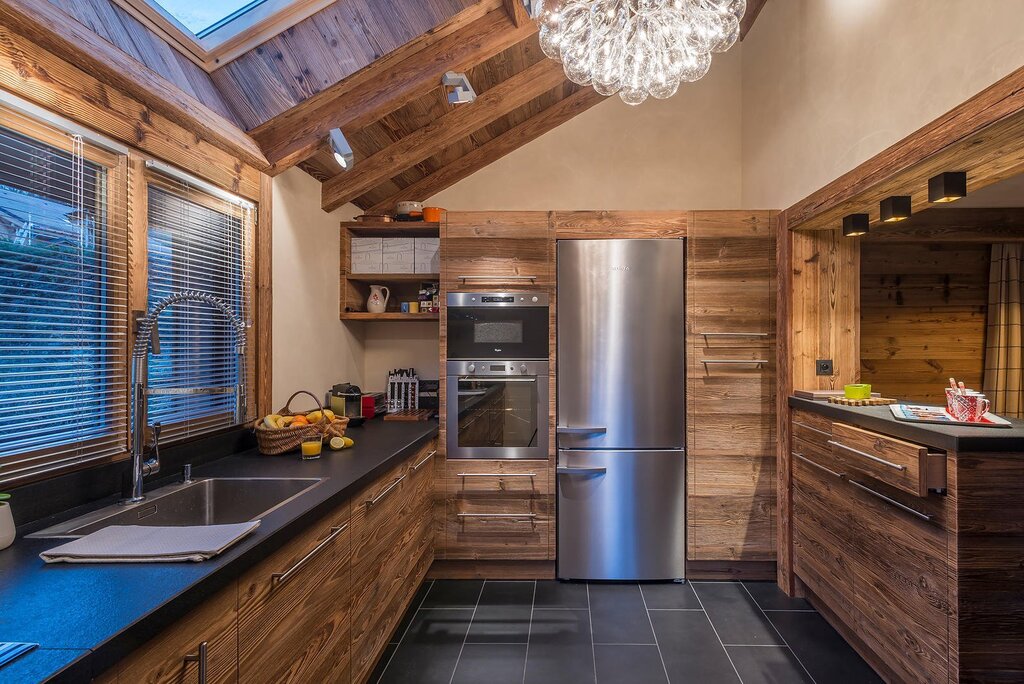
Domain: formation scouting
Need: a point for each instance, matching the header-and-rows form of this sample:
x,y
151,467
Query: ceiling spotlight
x,y
895,208
947,187
462,91
855,224
342,150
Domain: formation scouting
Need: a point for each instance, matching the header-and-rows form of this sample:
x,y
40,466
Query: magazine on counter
x,y
939,415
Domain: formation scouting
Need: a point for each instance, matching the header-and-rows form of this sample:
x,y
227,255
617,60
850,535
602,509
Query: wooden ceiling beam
x,y
56,31
470,38
754,8
517,12
446,130
494,149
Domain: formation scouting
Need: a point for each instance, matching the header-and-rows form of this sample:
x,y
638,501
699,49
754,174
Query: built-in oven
x,y
497,325
497,409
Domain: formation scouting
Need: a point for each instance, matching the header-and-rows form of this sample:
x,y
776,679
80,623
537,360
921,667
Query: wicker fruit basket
x,y
275,441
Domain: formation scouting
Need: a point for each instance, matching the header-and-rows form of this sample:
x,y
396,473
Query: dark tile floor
x,y
476,632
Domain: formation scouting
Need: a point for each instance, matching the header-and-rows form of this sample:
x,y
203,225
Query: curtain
x,y
1004,358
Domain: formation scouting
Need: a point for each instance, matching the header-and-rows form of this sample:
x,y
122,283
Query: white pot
x,y
6,526
377,302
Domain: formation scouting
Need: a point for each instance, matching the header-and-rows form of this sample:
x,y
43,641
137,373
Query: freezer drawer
x,y
621,515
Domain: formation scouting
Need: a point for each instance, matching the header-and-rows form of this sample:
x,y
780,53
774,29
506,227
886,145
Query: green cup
x,y
857,391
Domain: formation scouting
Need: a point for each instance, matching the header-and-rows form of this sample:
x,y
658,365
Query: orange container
x,y
432,214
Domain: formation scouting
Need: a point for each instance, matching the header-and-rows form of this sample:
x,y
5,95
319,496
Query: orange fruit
x,y
300,420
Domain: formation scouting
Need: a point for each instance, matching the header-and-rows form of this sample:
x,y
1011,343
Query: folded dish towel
x,y
138,544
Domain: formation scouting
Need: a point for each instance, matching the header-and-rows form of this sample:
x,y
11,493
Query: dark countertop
x,y
949,437
87,617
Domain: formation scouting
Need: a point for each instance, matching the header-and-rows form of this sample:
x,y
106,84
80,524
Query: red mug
x,y
969,408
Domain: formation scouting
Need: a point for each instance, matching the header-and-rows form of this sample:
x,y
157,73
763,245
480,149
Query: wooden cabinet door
x,y
294,608
730,386
171,656
901,585
497,250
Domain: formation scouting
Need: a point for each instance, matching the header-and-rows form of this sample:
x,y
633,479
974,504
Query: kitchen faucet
x,y
147,339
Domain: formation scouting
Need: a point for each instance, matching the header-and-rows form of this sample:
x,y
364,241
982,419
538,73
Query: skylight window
x,y
203,17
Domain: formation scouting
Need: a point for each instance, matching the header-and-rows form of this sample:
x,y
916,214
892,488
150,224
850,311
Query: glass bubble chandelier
x,y
637,48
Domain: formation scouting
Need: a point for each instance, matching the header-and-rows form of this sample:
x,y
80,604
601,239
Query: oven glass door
x,y
498,332
498,417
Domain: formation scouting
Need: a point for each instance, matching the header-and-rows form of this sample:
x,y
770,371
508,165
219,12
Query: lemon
x,y
337,443
348,441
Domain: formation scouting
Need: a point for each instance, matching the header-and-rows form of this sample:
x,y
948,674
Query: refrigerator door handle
x,y
566,430
581,470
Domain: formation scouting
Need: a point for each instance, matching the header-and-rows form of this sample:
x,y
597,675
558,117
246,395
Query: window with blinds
x,y
198,241
63,302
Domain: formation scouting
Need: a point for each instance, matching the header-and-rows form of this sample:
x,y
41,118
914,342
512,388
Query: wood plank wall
x,y
923,311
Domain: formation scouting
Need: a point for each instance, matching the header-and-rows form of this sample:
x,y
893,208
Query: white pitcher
x,y
377,302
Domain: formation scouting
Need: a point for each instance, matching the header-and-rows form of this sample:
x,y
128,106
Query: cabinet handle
x,y
580,470
377,499
818,465
865,454
200,658
279,578
531,278
812,429
894,502
569,430
496,474
733,334
733,362
425,459
515,517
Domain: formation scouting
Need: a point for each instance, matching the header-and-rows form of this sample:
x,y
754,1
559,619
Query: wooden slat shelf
x,y
389,316
393,229
393,277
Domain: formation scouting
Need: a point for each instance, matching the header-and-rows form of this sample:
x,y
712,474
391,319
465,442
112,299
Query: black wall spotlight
x,y
947,187
895,208
855,224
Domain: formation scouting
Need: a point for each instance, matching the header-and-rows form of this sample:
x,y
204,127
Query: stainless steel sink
x,y
212,501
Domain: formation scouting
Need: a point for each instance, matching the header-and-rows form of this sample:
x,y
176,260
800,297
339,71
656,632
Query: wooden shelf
x,y
389,316
393,229
393,277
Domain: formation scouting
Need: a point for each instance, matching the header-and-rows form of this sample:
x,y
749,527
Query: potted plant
x,y
6,522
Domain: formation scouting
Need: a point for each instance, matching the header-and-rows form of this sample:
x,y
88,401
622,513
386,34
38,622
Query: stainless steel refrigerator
x,y
621,409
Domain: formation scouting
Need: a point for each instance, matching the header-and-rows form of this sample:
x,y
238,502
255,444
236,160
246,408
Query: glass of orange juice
x,y
311,447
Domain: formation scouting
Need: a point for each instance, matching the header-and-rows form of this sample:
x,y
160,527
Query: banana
x,y
271,421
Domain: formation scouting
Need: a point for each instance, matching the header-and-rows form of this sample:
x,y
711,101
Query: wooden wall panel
x,y
923,310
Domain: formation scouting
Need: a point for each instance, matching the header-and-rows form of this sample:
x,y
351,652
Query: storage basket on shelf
x,y
274,441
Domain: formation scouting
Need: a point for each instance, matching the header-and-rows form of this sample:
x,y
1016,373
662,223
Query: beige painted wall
x,y
683,152
829,83
312,348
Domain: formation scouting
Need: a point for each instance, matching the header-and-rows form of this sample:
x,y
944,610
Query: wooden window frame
x,y
117,194
232,39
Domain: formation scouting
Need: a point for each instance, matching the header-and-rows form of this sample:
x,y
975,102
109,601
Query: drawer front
x,y
892,461
503,479
162,660
812,428
902,587
376,512
821,517
497,529
294,608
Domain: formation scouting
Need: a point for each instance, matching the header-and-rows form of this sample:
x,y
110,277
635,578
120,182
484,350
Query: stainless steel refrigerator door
x,y
621,367
621,515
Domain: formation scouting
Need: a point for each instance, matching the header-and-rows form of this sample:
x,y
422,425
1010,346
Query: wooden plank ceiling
x,y
373,68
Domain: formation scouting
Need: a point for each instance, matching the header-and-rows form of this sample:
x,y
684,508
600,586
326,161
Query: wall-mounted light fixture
x,y
895,208
947,187
342,150
855,224
462,90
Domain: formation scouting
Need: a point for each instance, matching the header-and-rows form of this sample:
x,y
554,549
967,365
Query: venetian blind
x,y
201,242
63,301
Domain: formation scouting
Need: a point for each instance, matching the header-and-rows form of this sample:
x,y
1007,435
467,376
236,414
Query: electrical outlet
x,y
823,367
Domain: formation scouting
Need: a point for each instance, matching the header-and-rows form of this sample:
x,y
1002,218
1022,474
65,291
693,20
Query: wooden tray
x,y
873,401
410,415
